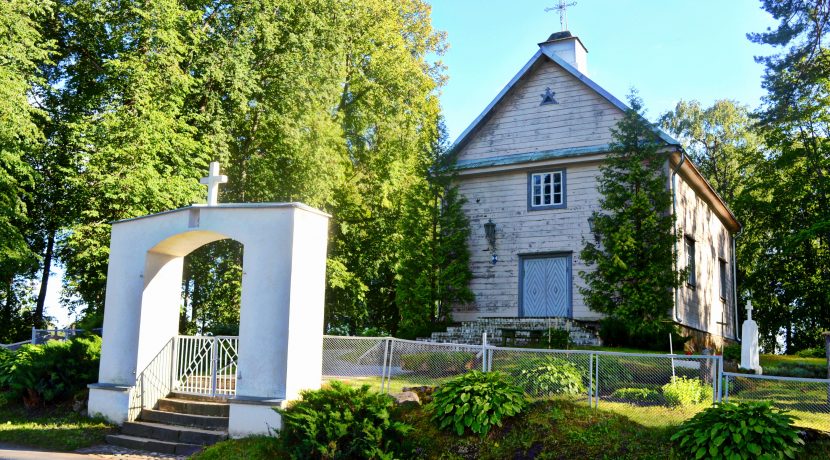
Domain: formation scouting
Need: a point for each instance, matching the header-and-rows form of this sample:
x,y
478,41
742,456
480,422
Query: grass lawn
x,y
57,428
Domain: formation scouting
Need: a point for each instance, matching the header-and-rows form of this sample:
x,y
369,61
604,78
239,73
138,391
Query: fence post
x,y
726,388
383,363
720,379
34,336
484,351
142,391
827,352
591,380
172,361
391,357
596,392
213,359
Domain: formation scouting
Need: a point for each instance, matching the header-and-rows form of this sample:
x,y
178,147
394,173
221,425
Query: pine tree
x,y
632,254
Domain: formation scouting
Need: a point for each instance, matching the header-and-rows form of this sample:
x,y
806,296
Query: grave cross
x,y
749,310
212,181
562,8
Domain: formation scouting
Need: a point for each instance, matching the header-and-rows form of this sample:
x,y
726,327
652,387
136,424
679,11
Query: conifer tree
x,y
632,254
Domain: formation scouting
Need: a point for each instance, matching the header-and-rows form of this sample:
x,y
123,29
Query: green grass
x,y
769,360
56,428
251,448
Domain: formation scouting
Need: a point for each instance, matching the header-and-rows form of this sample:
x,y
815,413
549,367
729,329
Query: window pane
x,y
547,178
537,179
547,189
537,190
557,188
537,200
557,178
547,199
557,198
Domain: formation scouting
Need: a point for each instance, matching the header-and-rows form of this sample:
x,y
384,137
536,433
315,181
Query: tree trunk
x,y
37,321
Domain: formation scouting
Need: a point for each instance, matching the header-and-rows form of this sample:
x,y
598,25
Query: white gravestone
x,y
749,346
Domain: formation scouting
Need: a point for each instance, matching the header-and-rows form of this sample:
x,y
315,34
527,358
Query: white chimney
x,y
569,48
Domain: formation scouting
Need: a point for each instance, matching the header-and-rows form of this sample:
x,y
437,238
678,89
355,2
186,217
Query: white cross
x,y
212,181
749,310
562,8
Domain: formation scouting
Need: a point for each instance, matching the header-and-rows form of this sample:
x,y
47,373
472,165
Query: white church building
x,y
528,168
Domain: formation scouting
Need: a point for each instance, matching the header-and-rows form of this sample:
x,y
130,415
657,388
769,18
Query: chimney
x,y
569,48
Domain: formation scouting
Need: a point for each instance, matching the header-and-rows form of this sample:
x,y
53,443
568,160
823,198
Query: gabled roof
x,y
541,54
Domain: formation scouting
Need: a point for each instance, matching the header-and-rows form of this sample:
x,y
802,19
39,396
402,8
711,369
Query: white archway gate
x,y
281,317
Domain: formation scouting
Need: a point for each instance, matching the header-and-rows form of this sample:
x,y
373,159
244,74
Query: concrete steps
x,y
470,332
181,425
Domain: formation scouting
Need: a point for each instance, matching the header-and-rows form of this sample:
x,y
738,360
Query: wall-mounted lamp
x,y
490,235
592,226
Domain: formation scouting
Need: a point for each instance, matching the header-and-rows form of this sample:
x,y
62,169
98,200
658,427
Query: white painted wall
x,y
283,286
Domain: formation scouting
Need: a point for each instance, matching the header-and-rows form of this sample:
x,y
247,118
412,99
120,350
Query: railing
x,y
206,365
154,382
40,336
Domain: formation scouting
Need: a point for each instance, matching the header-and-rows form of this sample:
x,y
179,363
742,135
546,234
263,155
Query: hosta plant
x,y
476,401
550,377
751,430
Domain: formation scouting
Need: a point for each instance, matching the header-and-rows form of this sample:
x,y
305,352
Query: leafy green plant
x,y
552,376
682,392
438,363
637,394
476,401
817,352
797,369
732,352
738,431
558,339
51,372
340,422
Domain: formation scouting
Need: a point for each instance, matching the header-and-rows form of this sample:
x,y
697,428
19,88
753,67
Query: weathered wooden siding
x,y
502,197
701,307
518,124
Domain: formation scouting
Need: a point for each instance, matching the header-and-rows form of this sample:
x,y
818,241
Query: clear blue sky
x,y
667,49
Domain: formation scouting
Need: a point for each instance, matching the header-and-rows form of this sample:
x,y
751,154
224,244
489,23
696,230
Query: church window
x,y
691,278
546,190
724,279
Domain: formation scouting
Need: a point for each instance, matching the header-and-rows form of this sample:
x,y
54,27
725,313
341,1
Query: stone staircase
x,y
181,425
470,332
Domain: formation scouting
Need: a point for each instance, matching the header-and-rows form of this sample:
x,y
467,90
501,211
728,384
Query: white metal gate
x,y
206,365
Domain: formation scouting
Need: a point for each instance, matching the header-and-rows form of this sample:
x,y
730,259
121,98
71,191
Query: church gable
x,y
547,109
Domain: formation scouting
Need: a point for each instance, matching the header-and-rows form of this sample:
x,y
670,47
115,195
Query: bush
x,y
612,374
51,372
341,422
476,401
817,352
638,394
558,339
738,431
682,392
732,353
617,332
796,369
552,376
439,363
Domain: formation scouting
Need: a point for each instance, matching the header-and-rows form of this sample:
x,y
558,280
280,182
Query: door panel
x,y
546,286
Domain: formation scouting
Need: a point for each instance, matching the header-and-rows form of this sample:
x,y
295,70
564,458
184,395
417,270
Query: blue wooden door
x,y
546,285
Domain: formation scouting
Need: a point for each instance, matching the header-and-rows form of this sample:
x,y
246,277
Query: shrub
x,y
476,401
552,376
738,431
438,363
617,332
817,352
612,374
637,394
797,369
51,372
732,353
558,339
682,391
341,422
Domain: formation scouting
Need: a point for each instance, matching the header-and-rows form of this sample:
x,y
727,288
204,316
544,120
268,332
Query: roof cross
x,y
212,181
562,8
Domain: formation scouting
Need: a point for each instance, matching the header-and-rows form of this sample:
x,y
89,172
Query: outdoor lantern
x,y
591,223
490,234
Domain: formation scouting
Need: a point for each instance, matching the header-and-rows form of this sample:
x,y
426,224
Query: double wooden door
x,y
546,286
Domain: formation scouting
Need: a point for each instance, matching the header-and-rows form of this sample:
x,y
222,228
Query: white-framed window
x,y
546,190
691,266
724,279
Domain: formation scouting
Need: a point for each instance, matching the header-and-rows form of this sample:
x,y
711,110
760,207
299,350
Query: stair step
x,y
173,418
197,398
172,433
191,407
153,445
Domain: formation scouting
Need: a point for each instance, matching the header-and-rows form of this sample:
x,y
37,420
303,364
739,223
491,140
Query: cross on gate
x,y
212,181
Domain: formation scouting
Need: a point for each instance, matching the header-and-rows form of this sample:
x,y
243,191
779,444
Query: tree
x,y
720,140
789,273
23,49
433,272
632,256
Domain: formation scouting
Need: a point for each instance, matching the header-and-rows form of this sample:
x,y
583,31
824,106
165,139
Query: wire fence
x,y
651,389
41,336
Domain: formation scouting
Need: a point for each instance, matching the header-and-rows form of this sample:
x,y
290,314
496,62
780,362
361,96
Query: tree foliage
x,y
787,255
632,254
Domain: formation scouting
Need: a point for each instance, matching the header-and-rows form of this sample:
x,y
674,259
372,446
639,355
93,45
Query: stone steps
x,y
181,425
470,332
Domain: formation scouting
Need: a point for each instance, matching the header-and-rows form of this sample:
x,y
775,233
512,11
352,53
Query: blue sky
x,y
667,49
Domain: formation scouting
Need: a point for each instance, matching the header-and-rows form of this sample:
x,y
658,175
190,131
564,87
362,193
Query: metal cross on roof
x,y
212,181
562,8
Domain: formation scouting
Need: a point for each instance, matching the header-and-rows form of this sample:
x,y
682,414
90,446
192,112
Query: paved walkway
x,y
102,452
